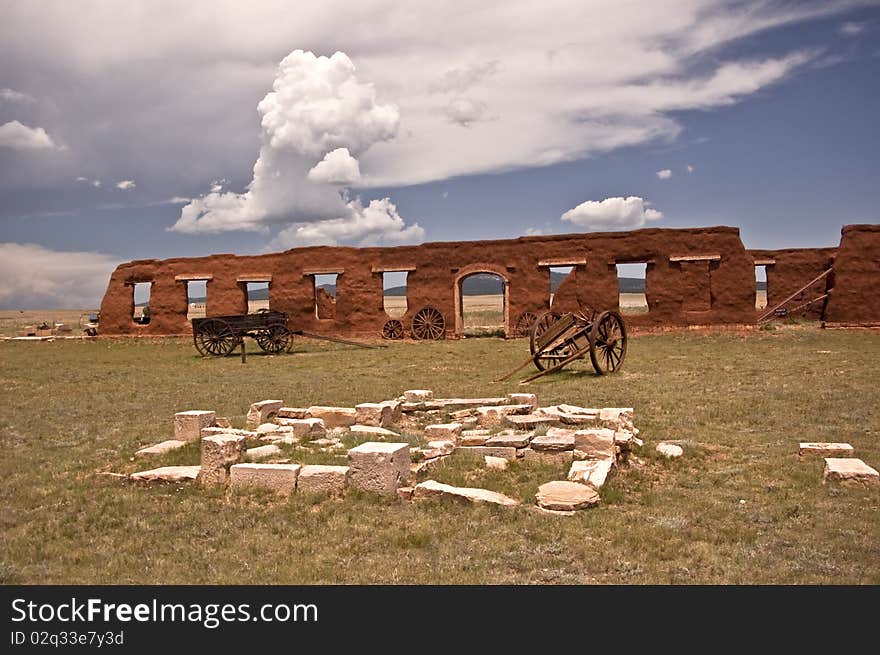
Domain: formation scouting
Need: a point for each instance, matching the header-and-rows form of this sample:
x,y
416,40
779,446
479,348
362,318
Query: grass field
x,y
739,507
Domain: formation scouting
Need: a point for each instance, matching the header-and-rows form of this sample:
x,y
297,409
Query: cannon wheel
x,y
428,323
607,343
524,324
393,329
215,337
275,339
551,358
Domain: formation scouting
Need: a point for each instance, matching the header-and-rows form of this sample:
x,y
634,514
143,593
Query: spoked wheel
x,y
547,358
274,339
393,329
428,323
539,327
215,337
524,324
607,343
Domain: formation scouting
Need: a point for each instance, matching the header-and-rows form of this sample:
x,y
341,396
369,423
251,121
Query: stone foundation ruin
x,y
700,276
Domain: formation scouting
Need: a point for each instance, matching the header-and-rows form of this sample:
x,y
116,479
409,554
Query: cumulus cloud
x,y
337,167
665,174
21,137
318,118
690,169
35,277
10,95
612,213
465,111
125,185
373,225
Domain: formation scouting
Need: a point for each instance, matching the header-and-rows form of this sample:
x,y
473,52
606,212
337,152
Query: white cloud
x,y
10,95
665,174
34,277
125,185
533,231
337,167
21,137
852,28
318,117
465,111
377,224
612,213
690,169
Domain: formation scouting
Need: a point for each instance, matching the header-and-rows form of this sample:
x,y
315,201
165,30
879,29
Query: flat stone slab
x,y
531,420
524,399
304,427
377,414
550,442
595,443
566,496
280,478
473,439
372,432
168,474
161,448
334,417
444,446
669,450
456,405
262,452
292,412
825,449
418,395
434,489
442,431
849,470
564,414
591,472
498,463
551,457
213,431
494,451
488,416
320,478
510,439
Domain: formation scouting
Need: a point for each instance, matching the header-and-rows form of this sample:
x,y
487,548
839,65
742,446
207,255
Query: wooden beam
x,y
765,262
193,278
393,269
695,258
253,278
562,262
323,271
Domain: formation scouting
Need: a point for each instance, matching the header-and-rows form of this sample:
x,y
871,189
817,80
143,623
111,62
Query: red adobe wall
x,y
695,276
789,270
856,295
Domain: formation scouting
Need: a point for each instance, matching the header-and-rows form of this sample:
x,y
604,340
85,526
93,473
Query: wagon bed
x,y
219,335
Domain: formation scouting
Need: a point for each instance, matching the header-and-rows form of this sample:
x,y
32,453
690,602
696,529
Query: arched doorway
x,y
481,302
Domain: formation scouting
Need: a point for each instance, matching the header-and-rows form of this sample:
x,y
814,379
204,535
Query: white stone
x,y
595,443
495,462
434,489
494,451
528,421
379,467
418,395
161,448
445,447
218,453
334,417
592,472
825,448
280,478
375,414
490,416
213,431
566,496
472,439
510,439
167,474
293,412
552,442
188,425
262,452
582,416
320,478
372,432
305,427
529,399
443,431
670,450
396,410
849,469
260,412
266,428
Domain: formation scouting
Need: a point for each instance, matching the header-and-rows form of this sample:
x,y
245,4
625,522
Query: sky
x,y
157,129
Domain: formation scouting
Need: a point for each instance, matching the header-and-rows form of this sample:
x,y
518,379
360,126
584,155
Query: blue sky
x,y
763,114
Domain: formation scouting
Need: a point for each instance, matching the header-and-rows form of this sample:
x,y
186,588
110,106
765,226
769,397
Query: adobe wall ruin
x,y
699,276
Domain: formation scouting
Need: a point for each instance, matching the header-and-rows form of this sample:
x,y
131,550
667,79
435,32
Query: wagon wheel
x,y
428,323
539,326
550,358
607,343
393,329
274,339
214,336
524,324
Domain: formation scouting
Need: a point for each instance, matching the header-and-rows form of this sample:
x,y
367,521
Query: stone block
x,y
494,451
213,431
554,443
616,418
167,474
305,428
493,415
188,425
418,395
849,470
375,414
222,422
566,496
219,453
529,399
373,432
280,478
510,439
473,438
161,448
570,414
261,412
334,417
319,478
530,421
825,449
434,489
669,450
552,457
396,410
498,463
595,443
262,452
444,431
292,412
592,472
379,467
443,446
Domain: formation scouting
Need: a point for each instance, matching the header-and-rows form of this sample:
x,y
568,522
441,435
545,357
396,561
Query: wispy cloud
x,y
125,185
665,174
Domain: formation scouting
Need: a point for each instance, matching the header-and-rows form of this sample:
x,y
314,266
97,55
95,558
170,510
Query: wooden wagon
x,y
219,335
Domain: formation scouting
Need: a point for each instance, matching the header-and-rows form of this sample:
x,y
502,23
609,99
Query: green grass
x,y
739,507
